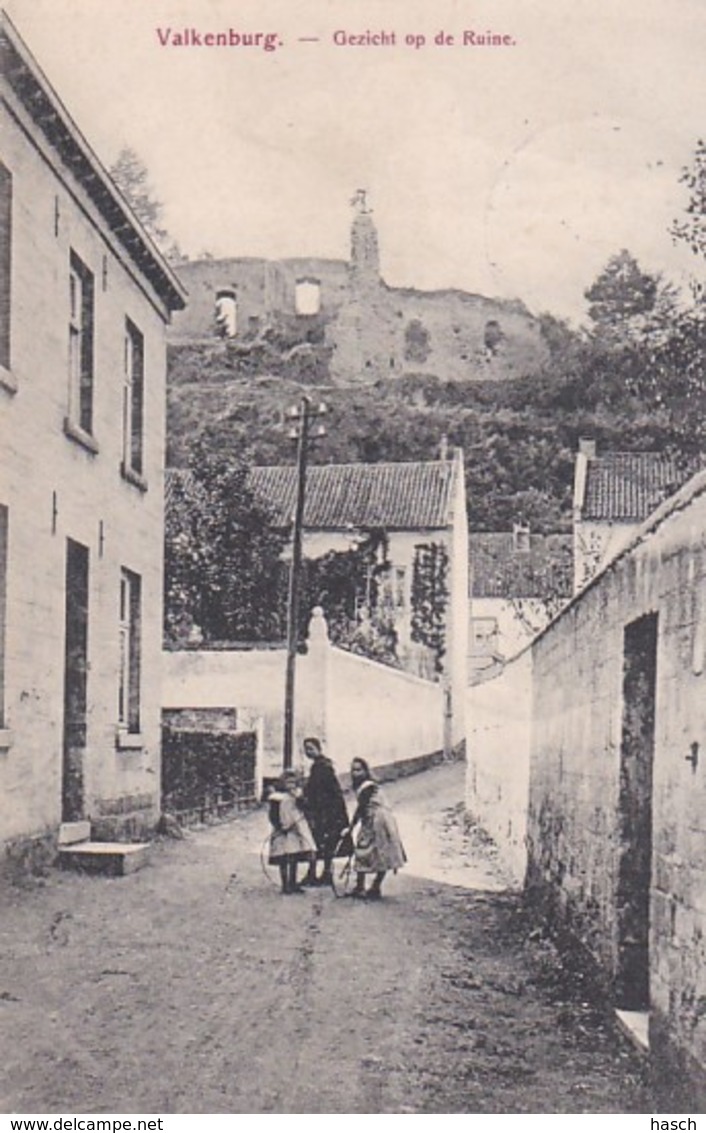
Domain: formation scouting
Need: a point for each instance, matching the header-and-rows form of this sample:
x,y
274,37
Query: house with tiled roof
x,y
518,581
85,298
415,496
613,494
420,506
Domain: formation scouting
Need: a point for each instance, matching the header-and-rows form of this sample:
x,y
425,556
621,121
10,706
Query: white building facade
x,y
86,298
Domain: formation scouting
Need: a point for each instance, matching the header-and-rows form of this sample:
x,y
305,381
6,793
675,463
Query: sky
x,y
513,171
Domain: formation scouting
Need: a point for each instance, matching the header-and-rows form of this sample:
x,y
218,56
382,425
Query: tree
x,y
673,380
562,341
623,300
131,176
224,576
692,230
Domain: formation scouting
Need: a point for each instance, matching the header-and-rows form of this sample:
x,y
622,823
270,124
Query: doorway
x,y
75,682
635,813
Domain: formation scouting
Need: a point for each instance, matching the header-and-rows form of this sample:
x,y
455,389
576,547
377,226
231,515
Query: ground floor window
x,y
130,651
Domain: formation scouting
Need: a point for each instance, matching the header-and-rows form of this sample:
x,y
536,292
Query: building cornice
x,y
20,70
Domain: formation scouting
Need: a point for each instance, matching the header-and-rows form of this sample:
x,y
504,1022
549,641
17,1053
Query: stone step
x,y
635,1025
72,832
113,859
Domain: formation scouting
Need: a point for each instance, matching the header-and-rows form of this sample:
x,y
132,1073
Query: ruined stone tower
x,y
356,353
365,255
367,330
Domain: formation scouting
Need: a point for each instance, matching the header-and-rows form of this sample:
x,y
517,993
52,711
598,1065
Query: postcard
x,y
352,559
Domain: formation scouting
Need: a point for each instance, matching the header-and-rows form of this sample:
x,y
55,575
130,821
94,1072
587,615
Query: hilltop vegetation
x,y
634,378
519,437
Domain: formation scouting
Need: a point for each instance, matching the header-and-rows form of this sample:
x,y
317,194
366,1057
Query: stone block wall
x,y
366,322
576,825
264,289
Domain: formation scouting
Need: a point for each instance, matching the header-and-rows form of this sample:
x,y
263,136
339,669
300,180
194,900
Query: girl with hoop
x,y
291,840
378,846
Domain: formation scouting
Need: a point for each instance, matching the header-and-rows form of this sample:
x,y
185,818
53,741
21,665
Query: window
x,y
133,400
3,606
226,314
129,674
485,635
417,341
520,537
80,345
307,297
5,263
493,336
400,580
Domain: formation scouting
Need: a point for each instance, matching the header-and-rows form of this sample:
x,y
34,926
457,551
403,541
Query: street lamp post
x,y
303,435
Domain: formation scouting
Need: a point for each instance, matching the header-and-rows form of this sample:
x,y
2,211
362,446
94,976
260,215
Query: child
x,y
378,846
291,840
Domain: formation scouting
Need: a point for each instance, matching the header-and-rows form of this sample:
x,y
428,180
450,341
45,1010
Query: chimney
x,y
444,447
587,446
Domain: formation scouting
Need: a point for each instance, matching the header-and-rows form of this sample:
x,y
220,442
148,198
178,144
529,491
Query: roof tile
x,y
499,570
404,496
401,496
627,486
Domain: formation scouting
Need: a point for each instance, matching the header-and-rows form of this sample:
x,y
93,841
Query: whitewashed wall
x,y
498,747
383,715
356,706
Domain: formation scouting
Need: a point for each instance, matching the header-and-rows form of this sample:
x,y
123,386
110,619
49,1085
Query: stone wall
x,y
366,323
264,290
585,796
383,715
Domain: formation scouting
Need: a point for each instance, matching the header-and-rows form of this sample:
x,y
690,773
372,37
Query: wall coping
x,y
226,647
334,651
378,666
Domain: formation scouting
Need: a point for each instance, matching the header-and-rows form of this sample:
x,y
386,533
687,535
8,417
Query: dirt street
x,y
193,986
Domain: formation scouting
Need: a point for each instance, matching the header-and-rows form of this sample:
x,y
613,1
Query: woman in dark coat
x,y
325,809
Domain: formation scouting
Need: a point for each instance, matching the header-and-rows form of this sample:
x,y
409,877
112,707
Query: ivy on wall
x,y
430,596
349,586
226,579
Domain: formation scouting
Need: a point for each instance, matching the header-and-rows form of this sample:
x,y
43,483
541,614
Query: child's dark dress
x,y
326,808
